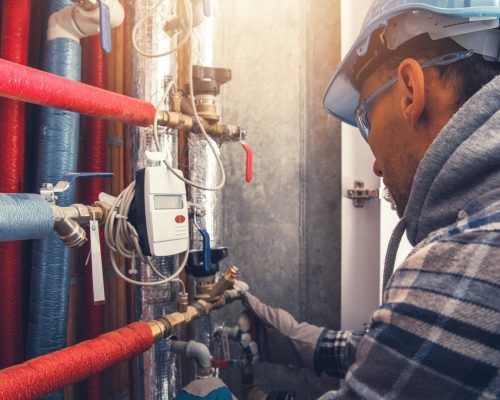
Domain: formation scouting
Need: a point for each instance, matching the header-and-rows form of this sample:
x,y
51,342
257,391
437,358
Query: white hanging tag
x,y
97,273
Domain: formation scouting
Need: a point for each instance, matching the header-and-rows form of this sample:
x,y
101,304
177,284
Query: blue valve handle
x,y
72,176
207,261
105,26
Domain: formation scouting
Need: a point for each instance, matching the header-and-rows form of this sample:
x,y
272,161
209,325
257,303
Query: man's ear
x,y
411,84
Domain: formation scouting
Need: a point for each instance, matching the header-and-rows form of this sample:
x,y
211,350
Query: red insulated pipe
x,y
14,44
38,87
94,161
46,374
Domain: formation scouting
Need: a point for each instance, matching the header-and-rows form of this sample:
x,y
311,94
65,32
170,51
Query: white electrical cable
x,y
210,142
181,43
121,237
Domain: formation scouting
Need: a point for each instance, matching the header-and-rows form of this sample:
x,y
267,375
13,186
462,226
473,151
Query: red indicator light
x,y
180,219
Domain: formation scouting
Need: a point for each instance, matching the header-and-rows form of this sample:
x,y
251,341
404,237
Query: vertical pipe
x,y
203,169
14,44
150,76
94,161
57,155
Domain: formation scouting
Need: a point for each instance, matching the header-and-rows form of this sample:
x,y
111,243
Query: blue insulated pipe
x,y
24,216
57,155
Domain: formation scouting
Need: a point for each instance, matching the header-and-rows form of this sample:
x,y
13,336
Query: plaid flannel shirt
x,y
437,333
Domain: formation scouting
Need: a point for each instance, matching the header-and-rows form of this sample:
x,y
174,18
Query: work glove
x,y
210,388
273,335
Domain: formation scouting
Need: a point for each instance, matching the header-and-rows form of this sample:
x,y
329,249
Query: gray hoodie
x,y
437,333
462,164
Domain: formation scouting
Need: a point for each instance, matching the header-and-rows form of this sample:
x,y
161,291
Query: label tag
x,y
95,253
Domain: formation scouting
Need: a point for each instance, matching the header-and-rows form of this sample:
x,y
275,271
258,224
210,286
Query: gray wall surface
x,y
283,230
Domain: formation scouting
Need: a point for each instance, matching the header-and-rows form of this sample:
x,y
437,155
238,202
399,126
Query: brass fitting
x,y
225,282
182,305
204,286
158,329
175,120
99,211
171,321
194,311
221,132
207,108
164,326
68,221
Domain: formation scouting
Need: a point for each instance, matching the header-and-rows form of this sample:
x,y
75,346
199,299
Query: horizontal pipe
x,y
24,216
45,374
38,87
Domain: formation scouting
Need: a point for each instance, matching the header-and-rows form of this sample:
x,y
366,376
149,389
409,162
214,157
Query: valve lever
x,y
70,178
249,162
105,26
207,261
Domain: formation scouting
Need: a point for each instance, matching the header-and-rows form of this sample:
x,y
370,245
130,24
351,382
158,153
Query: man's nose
x,y
377,170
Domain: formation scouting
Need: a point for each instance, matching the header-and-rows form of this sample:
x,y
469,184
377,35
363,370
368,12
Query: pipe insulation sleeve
x,y
94,161
150,77
42,88
14,45
24,216
57,152
45,374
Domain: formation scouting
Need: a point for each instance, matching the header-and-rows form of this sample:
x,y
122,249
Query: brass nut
x,y
158,329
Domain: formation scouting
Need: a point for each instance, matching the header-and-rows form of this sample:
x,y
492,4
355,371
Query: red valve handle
x,y
220,364
249,166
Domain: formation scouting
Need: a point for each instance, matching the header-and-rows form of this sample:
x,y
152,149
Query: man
x,y
422,84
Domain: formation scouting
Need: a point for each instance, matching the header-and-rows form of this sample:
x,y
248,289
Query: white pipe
x,y
76,23
193,349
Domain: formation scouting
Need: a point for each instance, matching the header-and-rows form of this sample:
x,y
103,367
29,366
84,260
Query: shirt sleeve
x,y
336,352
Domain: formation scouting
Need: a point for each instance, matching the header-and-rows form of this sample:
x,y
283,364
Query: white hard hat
x,y
471,23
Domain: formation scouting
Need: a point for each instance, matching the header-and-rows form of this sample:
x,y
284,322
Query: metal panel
x,y
283,230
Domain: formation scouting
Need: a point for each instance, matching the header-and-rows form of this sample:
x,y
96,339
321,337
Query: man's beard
x,y
400,201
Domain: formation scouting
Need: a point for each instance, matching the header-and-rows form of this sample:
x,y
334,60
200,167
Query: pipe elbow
x,y
199,352
76,23
70,232
195,350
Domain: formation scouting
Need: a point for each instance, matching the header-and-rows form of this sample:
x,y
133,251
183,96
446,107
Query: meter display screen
x,y
163,202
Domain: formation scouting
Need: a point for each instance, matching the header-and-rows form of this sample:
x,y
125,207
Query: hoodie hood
x,y
462,164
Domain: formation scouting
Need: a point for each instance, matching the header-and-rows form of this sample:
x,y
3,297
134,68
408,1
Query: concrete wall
x,y
283,230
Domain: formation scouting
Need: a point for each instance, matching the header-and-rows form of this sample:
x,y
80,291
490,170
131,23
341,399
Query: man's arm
x,y
282,340
336,352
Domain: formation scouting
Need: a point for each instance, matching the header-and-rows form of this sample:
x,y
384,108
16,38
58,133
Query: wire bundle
x,y
122,238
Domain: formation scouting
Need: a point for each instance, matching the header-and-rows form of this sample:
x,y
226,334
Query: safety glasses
x,y
364,106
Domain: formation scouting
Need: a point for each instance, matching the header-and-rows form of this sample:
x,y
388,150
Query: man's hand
x,y
280,338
